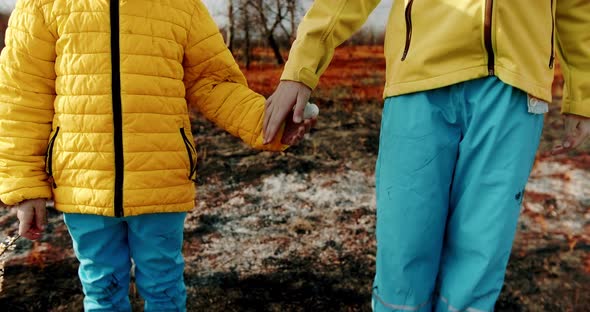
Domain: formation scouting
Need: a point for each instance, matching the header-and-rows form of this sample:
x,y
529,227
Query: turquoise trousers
x,y
105,246
452,167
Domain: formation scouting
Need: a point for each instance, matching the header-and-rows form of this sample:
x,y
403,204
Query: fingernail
x,y
297,119
567,144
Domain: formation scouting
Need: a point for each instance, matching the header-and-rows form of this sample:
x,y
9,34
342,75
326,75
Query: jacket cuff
x,y
295,72
15,197
576,94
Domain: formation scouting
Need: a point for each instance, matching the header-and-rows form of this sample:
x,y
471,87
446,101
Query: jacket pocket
x,y
191,153
49,158
552,55
408,29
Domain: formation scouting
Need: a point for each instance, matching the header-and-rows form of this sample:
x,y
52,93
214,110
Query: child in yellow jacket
x,y
94,102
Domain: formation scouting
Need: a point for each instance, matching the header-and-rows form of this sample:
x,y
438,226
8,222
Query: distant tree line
x,y
273,24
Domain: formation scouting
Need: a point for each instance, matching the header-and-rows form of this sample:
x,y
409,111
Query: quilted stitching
x,y
56,72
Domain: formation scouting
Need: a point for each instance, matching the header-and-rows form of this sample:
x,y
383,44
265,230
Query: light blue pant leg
x,y
156,247
100,244
417,153
495,159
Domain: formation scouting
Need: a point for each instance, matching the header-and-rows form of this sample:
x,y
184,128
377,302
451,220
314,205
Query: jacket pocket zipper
x,y
552,57
49,158
488,36
408,29
190,149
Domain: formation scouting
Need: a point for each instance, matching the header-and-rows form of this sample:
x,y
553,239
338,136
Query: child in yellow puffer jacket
x,y
94,102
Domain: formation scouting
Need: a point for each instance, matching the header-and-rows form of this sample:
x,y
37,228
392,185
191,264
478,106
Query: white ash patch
x,y
327,216
561,213
320,215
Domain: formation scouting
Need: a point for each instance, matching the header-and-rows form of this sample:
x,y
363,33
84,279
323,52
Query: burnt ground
x,y
295,231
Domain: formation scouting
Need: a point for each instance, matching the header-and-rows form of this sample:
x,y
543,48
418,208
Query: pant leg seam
x,y
401,307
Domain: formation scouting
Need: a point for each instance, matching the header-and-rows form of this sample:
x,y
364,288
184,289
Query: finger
x,y
268,100
25,218
557,149
573,141
288,139
300,132
308,123
31,235
300,107
267,116
40,215
296,140
560,149
277,119
314,122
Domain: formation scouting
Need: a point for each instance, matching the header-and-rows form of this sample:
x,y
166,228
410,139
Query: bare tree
x,y
292,8
231,27
271,14
271,22
244,10
3,26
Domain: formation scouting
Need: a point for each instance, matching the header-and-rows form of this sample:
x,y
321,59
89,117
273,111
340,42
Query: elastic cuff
x,y
303,75
580,108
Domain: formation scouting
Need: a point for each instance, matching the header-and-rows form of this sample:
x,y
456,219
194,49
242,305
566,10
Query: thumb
x,y
25,215
302,100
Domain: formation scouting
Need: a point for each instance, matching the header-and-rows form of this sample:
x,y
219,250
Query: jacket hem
x,y
399,88
508,77
129,211
525,84
18,196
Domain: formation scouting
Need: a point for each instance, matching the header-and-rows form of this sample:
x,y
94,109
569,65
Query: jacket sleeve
x,y
27,93
326,25
573,49
216,87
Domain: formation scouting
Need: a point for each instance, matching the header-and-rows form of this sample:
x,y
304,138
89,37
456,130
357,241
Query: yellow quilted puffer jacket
x,y
436,43
93,103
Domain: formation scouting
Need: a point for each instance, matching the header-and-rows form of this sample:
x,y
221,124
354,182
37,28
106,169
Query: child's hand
x,y
577,130
32,219
294,132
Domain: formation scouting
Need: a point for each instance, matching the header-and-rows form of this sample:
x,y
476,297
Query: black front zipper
x,y
488,36
117,112
552,57
408,29
190,150
49,158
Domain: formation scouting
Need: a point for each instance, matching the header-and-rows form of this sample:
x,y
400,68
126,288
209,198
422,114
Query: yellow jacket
x,y
435,43
93,99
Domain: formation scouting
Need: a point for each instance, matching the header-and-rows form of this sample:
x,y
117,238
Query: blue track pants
x,y
452,167
105,245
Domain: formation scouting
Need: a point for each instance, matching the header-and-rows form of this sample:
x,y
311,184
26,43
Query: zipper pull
x,y
52,182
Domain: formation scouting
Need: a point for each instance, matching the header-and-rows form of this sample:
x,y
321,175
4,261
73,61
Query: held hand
x,y
280,104
294,132
32,219
577,129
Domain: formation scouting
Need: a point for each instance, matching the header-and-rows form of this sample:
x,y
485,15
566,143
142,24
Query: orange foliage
x,y
356,75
